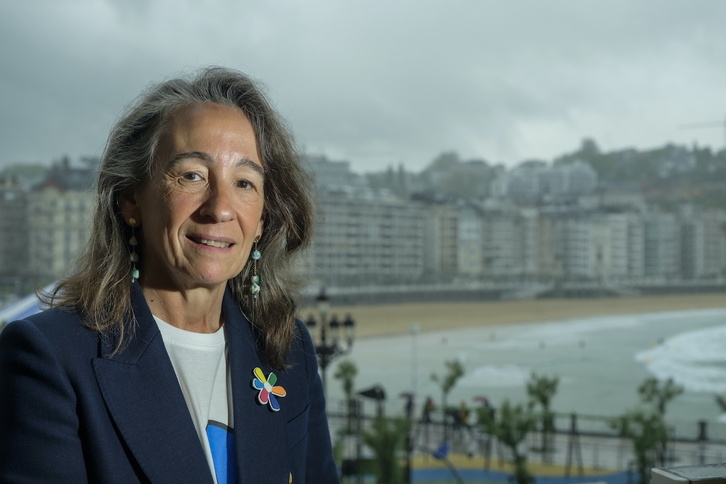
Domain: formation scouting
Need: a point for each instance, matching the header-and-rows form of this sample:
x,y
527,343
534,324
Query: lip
x,y
212,242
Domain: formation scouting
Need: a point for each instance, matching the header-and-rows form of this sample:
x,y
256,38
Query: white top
x,y
200,363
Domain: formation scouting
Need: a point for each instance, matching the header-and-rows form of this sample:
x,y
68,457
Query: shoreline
x,y
395,319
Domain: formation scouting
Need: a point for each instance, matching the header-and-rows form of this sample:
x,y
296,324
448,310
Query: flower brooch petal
x,y
267,388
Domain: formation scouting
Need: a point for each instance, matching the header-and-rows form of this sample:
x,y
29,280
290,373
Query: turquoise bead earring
x,y
134,257
255,255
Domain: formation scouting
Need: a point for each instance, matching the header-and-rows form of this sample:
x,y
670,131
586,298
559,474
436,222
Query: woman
x,y
173,354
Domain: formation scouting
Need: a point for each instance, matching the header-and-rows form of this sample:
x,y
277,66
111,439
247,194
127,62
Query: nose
x,y
218,205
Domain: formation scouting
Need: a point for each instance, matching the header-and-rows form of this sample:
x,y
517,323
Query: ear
x,y
258,232
130,206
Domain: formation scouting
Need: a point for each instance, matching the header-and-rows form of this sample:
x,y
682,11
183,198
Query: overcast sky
x,y
378,82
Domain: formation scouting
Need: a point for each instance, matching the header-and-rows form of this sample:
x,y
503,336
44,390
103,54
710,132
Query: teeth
x,y
214,243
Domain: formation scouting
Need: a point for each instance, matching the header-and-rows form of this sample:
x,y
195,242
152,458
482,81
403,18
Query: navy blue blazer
x,y
71,412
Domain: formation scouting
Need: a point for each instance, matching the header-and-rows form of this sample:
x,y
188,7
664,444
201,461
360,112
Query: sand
x,y
381,320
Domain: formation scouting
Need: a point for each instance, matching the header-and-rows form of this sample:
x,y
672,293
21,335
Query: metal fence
x,y
579,442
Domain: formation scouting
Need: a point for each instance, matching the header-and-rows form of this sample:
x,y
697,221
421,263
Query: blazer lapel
x,y
260,434
146,403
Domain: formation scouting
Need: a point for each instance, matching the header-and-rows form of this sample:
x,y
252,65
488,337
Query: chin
x,y
214,280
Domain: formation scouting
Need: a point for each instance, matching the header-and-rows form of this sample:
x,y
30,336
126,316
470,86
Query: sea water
x,y
600,362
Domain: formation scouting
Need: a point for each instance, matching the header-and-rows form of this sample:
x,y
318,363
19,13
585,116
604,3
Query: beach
x,y
600,349
396,319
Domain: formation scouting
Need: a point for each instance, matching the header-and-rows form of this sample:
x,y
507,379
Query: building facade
x,y
13,231
368,241
369,236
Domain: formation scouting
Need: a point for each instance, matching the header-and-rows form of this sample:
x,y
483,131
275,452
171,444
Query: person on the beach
x,y
428,409
173,355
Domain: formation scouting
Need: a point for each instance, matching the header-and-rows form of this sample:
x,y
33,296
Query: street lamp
x,y
341,335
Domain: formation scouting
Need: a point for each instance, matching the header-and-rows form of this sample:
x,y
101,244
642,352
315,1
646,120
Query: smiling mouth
x,y
211,243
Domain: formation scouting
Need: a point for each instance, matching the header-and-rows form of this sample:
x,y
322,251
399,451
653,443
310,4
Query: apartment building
x,y
601,246
549,264
469,241
533,182
530,243
703,243
13,230
377,240
441,241
635,240
573,237
369,236
58,227
470,254
59,213
662,245
510,240
329,174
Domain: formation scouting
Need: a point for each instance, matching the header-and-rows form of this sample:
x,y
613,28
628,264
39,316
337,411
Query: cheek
x,y
250,211
259,222
161,224
178,207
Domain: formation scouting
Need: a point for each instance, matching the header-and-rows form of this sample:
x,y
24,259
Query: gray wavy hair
x,y
100,289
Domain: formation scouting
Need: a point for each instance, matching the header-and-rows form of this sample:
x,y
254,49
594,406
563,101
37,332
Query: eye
x,y
192,176
245,184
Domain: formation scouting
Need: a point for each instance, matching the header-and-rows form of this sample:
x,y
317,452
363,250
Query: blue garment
x,y
72,412
221,441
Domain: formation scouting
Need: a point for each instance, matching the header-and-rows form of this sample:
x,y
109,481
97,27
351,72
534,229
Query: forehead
x,y
208,119
214,129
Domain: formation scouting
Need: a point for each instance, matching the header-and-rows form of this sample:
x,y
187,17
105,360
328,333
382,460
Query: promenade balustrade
x,y
579,444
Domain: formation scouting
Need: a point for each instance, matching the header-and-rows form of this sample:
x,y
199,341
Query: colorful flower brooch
x,y
267,388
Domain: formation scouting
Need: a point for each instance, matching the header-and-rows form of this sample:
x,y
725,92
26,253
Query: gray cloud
x,y
377,82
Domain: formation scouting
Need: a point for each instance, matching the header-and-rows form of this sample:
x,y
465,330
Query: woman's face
x,y
201,209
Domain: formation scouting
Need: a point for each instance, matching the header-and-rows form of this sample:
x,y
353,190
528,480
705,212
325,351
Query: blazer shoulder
x,y
55,317
302,341
302,355
60,328
302,333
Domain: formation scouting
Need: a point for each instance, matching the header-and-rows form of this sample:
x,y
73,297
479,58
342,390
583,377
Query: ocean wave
x,y
574,331
497,376
695,359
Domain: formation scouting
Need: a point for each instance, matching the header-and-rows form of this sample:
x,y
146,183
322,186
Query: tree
x,y
385,438
651,391
721,402
589,147
444,161
346,373
454,371
511,424
541,390
648,433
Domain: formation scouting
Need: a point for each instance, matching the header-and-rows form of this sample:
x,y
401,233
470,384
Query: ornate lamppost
x,y
335,338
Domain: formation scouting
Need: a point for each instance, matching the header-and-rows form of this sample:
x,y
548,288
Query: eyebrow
x,y
244,161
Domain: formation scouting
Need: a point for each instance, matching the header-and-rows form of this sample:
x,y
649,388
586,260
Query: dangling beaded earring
x,y
255,286
134,257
